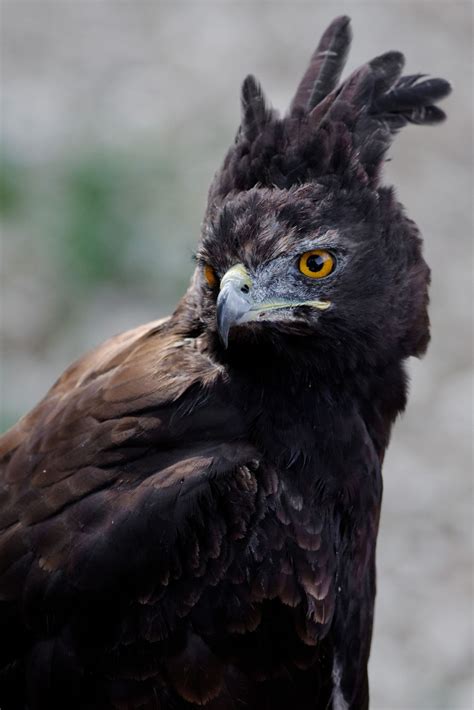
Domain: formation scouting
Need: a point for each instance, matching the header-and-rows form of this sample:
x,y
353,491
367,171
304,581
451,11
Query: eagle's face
x,y
339,265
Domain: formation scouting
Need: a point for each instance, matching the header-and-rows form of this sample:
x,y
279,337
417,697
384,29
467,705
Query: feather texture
x,y
184,525
325,67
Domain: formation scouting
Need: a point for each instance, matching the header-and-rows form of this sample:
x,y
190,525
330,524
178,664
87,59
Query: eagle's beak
x,y
235,304
234,300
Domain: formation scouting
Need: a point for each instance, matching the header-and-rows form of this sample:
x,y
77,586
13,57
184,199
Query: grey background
x,y
114,117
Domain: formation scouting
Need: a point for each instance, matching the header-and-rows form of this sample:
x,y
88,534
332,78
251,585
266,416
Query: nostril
x,y
245,288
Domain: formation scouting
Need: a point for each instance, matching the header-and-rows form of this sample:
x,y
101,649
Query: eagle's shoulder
x,y
94,363
128,427
119,369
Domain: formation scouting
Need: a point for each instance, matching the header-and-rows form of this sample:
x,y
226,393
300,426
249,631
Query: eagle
x,y
189,517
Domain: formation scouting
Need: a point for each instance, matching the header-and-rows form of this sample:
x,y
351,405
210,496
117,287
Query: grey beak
x,y
233,302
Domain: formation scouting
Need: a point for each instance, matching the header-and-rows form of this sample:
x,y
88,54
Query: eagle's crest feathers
x,y
343,129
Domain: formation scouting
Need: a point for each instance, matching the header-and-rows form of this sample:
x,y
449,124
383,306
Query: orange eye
x,y
317,263
210,275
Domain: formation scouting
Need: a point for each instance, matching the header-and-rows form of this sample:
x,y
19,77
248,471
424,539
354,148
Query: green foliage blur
x,y
92,232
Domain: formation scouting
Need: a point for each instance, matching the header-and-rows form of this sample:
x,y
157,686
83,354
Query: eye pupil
x,y
315,263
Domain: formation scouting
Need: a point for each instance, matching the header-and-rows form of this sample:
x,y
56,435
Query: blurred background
x,y
114,117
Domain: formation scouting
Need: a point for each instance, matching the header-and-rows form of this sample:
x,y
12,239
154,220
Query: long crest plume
x,y
331,128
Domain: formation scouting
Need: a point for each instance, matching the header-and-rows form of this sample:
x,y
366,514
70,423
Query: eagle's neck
x,y
297,408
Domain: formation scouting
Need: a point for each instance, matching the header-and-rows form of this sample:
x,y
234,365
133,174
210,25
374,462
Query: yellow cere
x,y
210,275
317,263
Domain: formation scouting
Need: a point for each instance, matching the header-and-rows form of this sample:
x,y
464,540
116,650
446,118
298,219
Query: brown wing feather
x,y
102,492
109,497
79,442
92,365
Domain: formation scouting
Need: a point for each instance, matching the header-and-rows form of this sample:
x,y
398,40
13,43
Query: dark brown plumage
x,y
189,517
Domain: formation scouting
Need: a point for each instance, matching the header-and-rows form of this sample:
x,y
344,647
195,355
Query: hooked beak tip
x,y
223,327
224,339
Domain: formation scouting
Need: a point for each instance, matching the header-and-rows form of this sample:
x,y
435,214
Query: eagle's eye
x,y
317,263
210,275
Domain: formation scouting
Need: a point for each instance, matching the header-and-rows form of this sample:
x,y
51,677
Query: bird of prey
x,y
189,517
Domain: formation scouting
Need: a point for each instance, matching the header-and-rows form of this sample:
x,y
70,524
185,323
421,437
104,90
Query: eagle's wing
x,y
103,488
130,494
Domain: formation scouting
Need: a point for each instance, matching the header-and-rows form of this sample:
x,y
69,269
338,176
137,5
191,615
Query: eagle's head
x,y
301,245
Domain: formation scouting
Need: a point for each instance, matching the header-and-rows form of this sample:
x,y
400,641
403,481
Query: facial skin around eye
x,y
317,263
